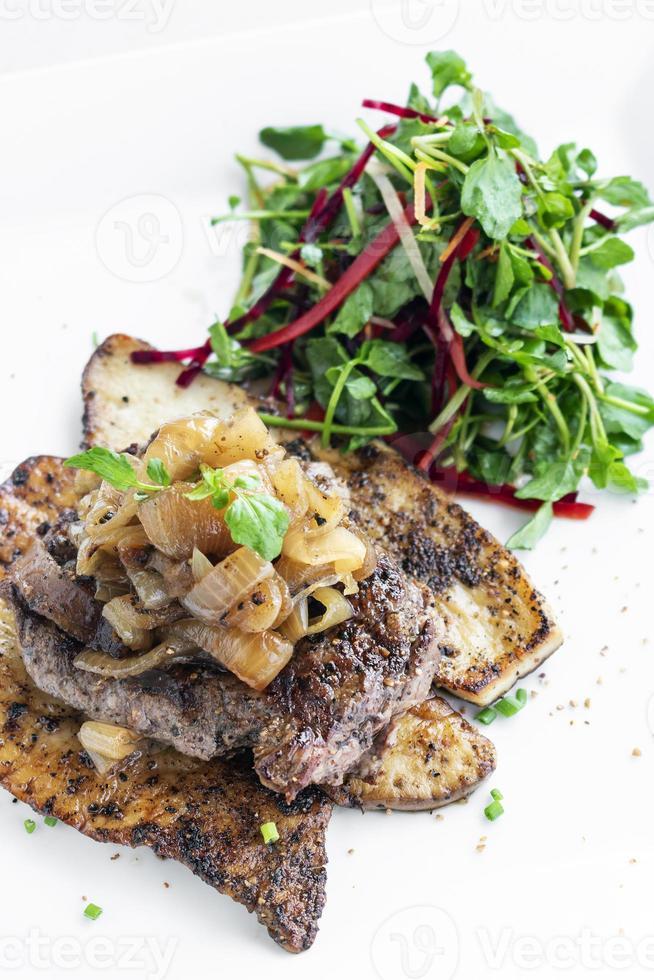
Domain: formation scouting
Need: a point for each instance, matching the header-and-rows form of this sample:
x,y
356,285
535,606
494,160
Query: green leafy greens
x,y
509,373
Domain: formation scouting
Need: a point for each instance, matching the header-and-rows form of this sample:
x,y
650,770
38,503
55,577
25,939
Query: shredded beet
x,y
365,263
323,212
603,220
403,111
504,493
565,316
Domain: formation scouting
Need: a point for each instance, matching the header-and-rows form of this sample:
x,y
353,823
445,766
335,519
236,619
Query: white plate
x,y
555,888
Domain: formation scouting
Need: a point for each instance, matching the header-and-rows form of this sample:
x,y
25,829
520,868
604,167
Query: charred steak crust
x,y
341,687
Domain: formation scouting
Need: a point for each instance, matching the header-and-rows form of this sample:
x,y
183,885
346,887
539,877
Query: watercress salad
x,y
447,288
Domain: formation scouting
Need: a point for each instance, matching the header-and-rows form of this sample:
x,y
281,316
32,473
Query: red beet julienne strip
x,y
602,219
323,211
565,316
365,263
504,493
403,111
322,214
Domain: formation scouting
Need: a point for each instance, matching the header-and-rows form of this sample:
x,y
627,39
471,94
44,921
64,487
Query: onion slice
x,y
255,658
226,584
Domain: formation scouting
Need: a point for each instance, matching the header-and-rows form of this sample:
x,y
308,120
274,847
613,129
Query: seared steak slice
x,y
311,725
197,710
341,687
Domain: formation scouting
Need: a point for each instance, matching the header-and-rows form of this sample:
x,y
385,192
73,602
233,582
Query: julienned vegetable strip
x,y
360,269
404,112
462,482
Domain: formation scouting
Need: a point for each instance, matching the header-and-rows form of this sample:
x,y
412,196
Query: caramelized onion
x,y
175,525
244,436
291,488
267,607
337,610
255,658
130,622
295,627
109,741
150,588
200,565
184,444
325,512
226,584
175,648
339,546
298,576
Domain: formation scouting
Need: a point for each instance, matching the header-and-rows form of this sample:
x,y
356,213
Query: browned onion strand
x,y
174,583
226,584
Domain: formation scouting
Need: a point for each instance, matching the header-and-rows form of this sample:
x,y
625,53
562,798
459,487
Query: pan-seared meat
x,y
197,710
497,626
205,814
53,592
341,687
311,725
425,758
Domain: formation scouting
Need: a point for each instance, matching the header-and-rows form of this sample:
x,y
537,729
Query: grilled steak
x,y
310,725
341,687
498,627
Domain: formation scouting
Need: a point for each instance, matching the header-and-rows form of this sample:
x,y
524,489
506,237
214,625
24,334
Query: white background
x,y
563,886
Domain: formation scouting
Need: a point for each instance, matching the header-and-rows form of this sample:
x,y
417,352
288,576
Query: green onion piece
x,y
521,695
508,706
494,810
269,833
486,716
29,826
495,793
50,821
92,911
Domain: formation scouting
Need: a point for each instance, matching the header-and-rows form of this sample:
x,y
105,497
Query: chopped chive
x,y
494,810
92,911
495,793
486,716
269,833
30,826
509,706
50,821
